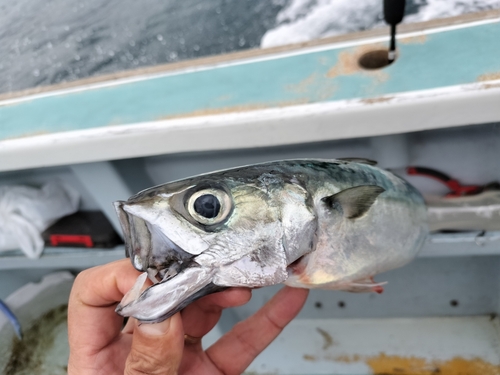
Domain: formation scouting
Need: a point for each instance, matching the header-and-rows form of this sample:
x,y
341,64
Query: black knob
x,y
394,11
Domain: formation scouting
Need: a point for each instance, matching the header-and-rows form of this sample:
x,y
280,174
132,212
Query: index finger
x,y
234,352
92,321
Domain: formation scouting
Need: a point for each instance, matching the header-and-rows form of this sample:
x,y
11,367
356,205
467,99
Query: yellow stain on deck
x,y
384,364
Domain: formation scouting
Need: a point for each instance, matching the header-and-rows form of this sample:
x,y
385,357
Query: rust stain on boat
x,y
310,358
315,87
384,364
489,77
348,64
487,86
419,39
216,111
234,109
380,99
27,135
305,85
327,338
326,91
345,358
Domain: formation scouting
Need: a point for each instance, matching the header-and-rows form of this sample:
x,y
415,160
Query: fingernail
x,y
154,329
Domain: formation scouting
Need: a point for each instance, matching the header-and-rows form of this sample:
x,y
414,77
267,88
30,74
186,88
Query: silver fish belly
x,y
330,224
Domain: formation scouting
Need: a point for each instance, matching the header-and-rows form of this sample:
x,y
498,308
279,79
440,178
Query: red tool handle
x,y
457,190
71,239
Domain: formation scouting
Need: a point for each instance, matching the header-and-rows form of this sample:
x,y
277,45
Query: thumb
x,y
156,348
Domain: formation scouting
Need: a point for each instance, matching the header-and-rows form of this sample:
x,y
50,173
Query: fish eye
x,y
209,206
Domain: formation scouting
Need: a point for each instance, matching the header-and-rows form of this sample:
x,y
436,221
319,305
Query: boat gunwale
x,y
215,60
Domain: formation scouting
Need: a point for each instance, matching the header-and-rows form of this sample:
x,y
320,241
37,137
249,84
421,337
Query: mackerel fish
x,y
327,224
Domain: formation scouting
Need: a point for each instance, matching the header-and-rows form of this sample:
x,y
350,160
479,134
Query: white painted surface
x,y
461,244
401,113
302,349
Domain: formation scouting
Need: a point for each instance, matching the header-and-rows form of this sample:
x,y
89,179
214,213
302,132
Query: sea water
x,y
303,20
54,41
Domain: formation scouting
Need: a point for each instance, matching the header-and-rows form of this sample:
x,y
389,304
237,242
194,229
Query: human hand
x,y
99,345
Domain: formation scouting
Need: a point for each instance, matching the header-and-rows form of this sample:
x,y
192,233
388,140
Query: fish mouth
x,y
177,278
150,249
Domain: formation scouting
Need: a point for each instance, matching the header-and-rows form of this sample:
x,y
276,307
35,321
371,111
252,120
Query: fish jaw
x,y
161,301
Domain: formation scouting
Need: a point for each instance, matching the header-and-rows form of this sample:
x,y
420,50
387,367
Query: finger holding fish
x,y
210,309
100,344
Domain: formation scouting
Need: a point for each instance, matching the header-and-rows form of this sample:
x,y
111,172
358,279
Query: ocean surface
x,y
53,41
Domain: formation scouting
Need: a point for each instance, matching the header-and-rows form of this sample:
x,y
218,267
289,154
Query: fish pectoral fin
x,y
355,201
365,285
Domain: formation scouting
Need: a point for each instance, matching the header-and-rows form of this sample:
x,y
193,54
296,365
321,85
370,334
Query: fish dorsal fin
x,y
355,201
359,160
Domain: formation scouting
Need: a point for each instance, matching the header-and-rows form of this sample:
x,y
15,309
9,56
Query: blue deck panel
x,y
436,60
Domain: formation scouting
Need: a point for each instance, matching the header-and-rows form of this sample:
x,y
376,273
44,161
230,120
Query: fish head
x,y
201,235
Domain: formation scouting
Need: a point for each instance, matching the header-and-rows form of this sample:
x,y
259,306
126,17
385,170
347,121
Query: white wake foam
x,y
449,8
303,20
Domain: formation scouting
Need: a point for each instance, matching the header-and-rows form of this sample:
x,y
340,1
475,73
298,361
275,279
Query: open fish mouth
x,y
150,249
177,278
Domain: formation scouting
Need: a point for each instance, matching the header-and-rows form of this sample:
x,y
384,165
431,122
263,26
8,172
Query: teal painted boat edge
x,y
401,113
441,59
